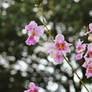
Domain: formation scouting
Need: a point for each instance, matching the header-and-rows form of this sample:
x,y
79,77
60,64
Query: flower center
x,y
90,68
33,34
60,45
90,53
79,48
33,91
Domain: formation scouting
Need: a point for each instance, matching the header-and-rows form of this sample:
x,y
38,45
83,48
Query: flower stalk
x,y
76,73
43,21
46,26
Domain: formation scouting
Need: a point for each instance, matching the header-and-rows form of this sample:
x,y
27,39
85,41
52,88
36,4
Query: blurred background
x,y
20,64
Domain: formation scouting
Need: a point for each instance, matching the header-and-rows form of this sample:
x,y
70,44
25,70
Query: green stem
x,y
76,73
43,21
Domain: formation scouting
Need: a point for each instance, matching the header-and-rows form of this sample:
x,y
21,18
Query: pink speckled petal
x,y
30,41
32,85
39,30
90,47
58,57
88,73
85,65
59,38
31,26
90,27
79,56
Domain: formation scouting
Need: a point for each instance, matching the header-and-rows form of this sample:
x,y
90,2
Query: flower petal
x,y
90,27
31,26
90,47
50,47
85,65
30,41
88,74
59,38
39,30
79,56
59,59
32,85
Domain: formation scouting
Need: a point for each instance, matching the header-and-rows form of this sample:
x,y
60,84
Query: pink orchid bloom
x,y
32,88
34,33
58,49
61,44
80,48
54,53
89,51
88,65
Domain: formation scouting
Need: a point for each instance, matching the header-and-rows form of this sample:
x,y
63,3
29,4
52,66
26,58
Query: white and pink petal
x,y
30,41
59,38
39,30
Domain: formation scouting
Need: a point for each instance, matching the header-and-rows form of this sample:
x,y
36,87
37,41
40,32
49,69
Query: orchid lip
x,y
60,46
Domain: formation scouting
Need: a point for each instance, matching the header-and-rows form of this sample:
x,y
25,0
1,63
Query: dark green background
x,y
65,13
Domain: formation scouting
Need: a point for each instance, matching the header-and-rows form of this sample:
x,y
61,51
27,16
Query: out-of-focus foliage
x,y
19,63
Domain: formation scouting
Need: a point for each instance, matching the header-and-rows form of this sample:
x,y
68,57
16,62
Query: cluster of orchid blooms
x,y
32,88
85,50
59,48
